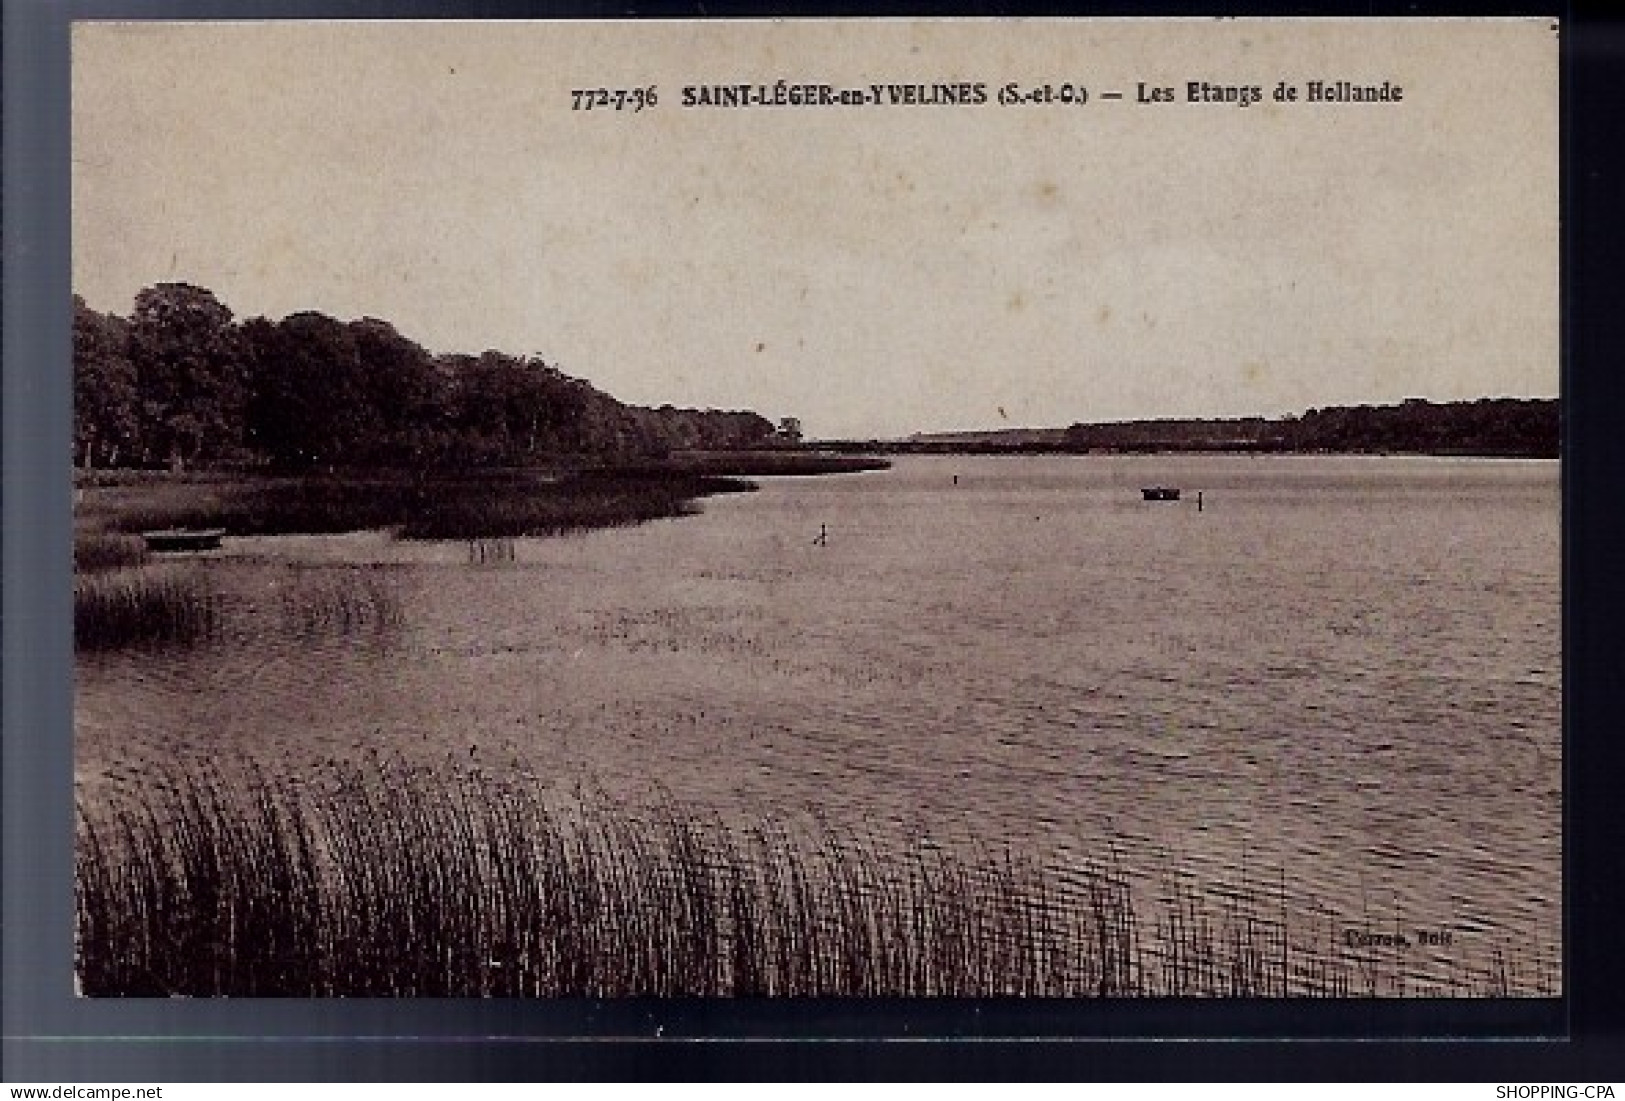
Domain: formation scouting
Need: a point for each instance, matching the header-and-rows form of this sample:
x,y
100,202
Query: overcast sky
x,y
874,270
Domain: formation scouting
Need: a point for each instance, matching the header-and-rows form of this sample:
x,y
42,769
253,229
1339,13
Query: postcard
x,y
933,508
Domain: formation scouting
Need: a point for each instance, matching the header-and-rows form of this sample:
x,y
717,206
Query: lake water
x,y
1342,673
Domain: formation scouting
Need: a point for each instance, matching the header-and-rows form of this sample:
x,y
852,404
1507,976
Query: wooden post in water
x,y
823,536
1198,500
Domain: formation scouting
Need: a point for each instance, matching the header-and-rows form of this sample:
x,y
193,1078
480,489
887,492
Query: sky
x,y
875,271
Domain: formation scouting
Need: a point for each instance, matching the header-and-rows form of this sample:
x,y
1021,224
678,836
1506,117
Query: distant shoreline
x,y
900,449
1525,428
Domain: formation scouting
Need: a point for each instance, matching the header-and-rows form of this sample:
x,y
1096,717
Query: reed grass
x,y
581,503
98,552
400,880
143,607
342,601
488,506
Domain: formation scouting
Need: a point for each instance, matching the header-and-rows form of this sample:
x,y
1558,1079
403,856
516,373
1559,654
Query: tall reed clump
x,y
143,606
102,552
398,880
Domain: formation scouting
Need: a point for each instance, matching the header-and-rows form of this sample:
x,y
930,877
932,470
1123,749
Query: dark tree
x,y
310,404
188,364
186,385
398,380
106,397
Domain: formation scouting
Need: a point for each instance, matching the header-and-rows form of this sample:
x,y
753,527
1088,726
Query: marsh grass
x,y
97,552
583,502
147,606
488,506
391,879
339,601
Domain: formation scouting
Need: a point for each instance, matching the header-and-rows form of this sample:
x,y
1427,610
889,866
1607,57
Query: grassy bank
x,y
576,503
394,880
492,505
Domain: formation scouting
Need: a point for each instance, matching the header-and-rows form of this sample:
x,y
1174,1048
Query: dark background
x,y
51,1037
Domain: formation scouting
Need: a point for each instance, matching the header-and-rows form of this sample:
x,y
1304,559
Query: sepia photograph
x,y
1054,509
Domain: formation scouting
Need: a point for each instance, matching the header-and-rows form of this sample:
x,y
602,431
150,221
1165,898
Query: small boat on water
x,y
182,539
1161,493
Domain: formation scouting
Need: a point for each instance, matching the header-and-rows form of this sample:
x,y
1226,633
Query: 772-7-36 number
x,y
613,99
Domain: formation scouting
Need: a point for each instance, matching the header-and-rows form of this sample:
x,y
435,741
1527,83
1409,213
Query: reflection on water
x,y
1344,670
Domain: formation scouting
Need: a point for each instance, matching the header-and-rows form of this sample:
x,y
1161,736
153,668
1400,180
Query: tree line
x,y
181,383
1526,427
